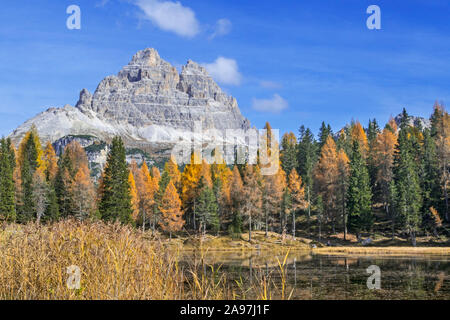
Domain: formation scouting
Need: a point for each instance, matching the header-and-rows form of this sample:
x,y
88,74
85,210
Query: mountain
x,y
149,104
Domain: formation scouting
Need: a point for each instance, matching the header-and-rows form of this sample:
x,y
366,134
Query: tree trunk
x,y
267,223
293,224
195,229
344,218
143,220
320,228
309,210
250,229
393,227
446,200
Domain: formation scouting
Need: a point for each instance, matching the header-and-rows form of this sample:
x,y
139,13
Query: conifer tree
x,y
171,168
73,185
207,210
189,181
170,207
384,157
221,176
440,131
115,204
29,160
39,194
253,197
50,161
7,190
372,134
147,188
236,201
134,197
326,178
297,194
82,193
408,198
50,167
156,174
358,134
359,194
307,158
324,132
430,178
342,185
289,152
273,190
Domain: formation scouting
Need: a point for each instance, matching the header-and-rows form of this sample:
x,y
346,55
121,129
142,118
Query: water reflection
x,y
310,276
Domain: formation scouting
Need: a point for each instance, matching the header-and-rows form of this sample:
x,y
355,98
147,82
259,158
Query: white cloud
x,y
224,70
273,105
222,27
170,16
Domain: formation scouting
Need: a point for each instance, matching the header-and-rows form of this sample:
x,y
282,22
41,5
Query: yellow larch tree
x,y
189,180
50,161
172,214
358,134
342,184
171,167
134,197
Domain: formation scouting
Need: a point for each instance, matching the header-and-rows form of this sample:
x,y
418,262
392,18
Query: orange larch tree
x,y
170,207
297,194
385,149
171,168
327,176
358,134
83,193
252,197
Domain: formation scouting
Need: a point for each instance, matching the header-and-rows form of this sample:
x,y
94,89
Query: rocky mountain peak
x,y
146,58
193,68
148,103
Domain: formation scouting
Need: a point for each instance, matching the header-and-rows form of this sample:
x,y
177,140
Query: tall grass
x,y
116,262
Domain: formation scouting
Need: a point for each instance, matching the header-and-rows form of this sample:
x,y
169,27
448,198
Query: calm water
x,y
336,277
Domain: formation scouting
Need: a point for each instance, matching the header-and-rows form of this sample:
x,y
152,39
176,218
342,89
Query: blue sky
x,y
286,62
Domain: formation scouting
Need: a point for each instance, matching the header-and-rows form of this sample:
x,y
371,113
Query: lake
x,y
313,276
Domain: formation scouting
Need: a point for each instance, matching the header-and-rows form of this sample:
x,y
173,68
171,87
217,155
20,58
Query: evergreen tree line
x,y
399,173
339,181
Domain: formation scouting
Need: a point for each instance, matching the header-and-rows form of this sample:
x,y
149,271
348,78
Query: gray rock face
x,y
147,103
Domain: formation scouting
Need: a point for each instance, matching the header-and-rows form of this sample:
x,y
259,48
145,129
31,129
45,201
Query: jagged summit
x,y
147,102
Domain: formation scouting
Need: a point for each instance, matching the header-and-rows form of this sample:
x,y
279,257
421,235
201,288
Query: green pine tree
x,y
306,159
7,189
29,154
115,202
359,194
408,200
289,152
207,208
324,132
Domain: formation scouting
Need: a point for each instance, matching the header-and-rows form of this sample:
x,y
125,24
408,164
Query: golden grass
x,y
116,262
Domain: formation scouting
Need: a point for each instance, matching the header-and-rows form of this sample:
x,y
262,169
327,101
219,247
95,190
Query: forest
x,y
337,181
